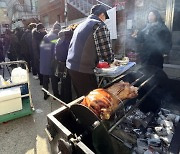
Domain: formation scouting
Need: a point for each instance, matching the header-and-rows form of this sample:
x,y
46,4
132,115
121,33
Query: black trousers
x,y
54,82
66,92
83,83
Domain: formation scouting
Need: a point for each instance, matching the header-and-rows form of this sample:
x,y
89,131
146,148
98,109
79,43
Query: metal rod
x,y
104,4
132,109
133,83
66,12
142,84
119,139
48,93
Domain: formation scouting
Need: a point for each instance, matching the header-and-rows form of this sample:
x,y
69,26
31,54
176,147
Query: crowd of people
x,y
71,53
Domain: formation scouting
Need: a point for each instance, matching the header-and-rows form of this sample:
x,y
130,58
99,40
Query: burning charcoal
x,y
171,117
137,131
139,151
137,123
159,121
176,120
165,111
154,136
149,130
161,131
167,139
154,142
167,123
160,113
140,114
128,108
142,145
162,117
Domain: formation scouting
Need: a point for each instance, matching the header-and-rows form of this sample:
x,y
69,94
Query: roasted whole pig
x,y
103,102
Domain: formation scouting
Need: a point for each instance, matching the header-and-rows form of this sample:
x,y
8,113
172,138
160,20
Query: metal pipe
x,y
65,13
104,4
48,93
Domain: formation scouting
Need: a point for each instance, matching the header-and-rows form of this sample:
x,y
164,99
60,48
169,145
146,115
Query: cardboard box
x,y
10,100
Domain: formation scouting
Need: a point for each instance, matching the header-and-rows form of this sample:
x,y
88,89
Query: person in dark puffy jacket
x,y
37,35
155,40
46,56
26,47
1,52
61,52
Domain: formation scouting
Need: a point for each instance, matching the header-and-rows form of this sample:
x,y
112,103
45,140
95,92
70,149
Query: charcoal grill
x,y
75,129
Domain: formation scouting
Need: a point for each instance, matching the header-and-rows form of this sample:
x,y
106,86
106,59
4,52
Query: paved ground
x,y
26,135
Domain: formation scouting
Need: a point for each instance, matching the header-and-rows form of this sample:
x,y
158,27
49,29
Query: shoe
x,y
46,96
35,77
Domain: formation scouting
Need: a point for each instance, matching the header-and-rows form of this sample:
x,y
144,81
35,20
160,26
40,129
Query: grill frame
x,y
147,82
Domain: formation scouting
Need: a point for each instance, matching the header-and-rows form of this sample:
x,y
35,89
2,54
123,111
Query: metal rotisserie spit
x,y
137,124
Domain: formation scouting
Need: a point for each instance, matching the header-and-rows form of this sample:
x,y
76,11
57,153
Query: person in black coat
x,y
61,52
1,52
37,35
26,47
155,40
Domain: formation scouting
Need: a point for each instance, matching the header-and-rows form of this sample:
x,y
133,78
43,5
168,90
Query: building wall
x,y
52,11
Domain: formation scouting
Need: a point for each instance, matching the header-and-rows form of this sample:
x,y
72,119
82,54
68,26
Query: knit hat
x,y
98,9
40,26
57,26
31,26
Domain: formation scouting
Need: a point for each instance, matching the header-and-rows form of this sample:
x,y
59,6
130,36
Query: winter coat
x,y
37,37
1,52
154,38
62,45
82,55
14,48
47,53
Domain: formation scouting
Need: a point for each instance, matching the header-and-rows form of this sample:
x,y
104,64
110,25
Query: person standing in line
x,y
1,52
61,52
37,36
46,56
26,47
89,45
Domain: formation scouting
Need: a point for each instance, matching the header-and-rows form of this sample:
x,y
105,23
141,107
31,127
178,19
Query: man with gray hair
x,y
89,45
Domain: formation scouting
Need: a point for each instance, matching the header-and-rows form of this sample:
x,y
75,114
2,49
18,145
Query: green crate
x,y
26,110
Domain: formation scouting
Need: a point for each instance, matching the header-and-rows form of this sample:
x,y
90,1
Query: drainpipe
x,y
65,13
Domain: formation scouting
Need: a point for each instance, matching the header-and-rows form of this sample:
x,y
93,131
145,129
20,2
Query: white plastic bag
x,y
18,75
2,82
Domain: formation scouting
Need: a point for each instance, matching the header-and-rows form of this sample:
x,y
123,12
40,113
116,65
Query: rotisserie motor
x,y
103,102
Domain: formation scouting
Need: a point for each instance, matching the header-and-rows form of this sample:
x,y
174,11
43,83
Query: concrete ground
x,y
26,135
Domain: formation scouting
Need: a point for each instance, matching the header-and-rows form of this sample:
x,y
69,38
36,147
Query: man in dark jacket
x,y
26,47
1,52
89,45
61,52
46,56
37,35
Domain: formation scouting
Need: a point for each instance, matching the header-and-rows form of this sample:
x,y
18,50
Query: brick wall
x,y
54,11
